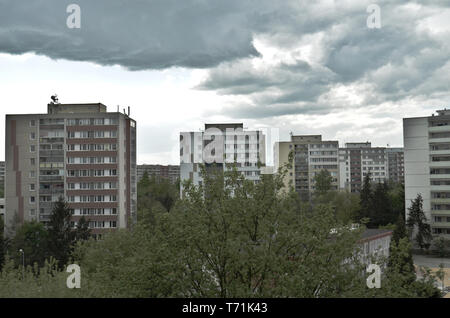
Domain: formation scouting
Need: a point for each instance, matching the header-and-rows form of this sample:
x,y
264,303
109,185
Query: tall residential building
x,y
311,155
2,171
217,145
396,163
427,167
79,151
358,159
170,172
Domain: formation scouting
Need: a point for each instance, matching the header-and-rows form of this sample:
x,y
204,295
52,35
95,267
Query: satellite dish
x,y
54,99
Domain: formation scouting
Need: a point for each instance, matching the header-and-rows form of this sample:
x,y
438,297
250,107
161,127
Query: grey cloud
x,y
138,35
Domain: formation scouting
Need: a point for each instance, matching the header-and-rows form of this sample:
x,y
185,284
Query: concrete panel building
x,y
170,172
427,167
217,145
357,160
79,151
311,154
396,162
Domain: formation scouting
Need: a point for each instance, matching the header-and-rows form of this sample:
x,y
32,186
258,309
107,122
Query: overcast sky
x,y
307,67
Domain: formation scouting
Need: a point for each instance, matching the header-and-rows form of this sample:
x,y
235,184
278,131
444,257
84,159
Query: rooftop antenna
x,y
54,99
118,109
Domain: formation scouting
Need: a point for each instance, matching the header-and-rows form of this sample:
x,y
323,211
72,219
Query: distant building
x,y
427,167
78,151
357,160
311,155
2,172
170,172
2,208
218,145
396,164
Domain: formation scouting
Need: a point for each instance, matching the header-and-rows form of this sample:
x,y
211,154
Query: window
x,y
32,174
32,161
32,200
113,224
32,187
32,148
32,123
32,212
32,136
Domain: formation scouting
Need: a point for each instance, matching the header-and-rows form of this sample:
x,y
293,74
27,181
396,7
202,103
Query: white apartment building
x,y
217,145
427,167
311,155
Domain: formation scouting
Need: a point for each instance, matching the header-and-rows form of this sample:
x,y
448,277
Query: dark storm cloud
x,y
138,34
397,62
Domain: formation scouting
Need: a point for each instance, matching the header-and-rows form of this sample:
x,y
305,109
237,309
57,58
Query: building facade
x,y
396,162
218,145
2,172
78,151
427,167
357,160
170,172
310,154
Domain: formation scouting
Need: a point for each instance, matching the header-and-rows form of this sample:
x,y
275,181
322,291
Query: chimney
x,y
129,111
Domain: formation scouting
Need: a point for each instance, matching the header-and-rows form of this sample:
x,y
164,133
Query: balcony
x,y
440,200
434,140
439,164
439,128
440,212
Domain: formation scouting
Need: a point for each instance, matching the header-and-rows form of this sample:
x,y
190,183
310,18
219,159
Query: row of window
x,y
91,134
92,173
92,122
91,160
97,224
91,198
442,219
92,147
92,186
102,211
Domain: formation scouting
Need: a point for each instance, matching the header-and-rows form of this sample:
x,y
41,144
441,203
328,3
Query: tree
x,y
323,181
400,229
441,246
381,209
418,219
61,236
366,197
32,238
82,231
2,243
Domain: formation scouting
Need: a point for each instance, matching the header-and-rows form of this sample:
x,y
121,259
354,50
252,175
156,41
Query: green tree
x,y
323,181
441,245
366,199
82,231
400,229
2,243
61,236
417,220
32,238
381,211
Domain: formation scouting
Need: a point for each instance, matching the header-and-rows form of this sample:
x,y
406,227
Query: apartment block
x,y
217,145
170,172
396,162
311,154
427,167
2,172
357,160
78,151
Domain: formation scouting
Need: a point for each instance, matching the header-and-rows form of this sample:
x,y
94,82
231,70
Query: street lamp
x,y
23,263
